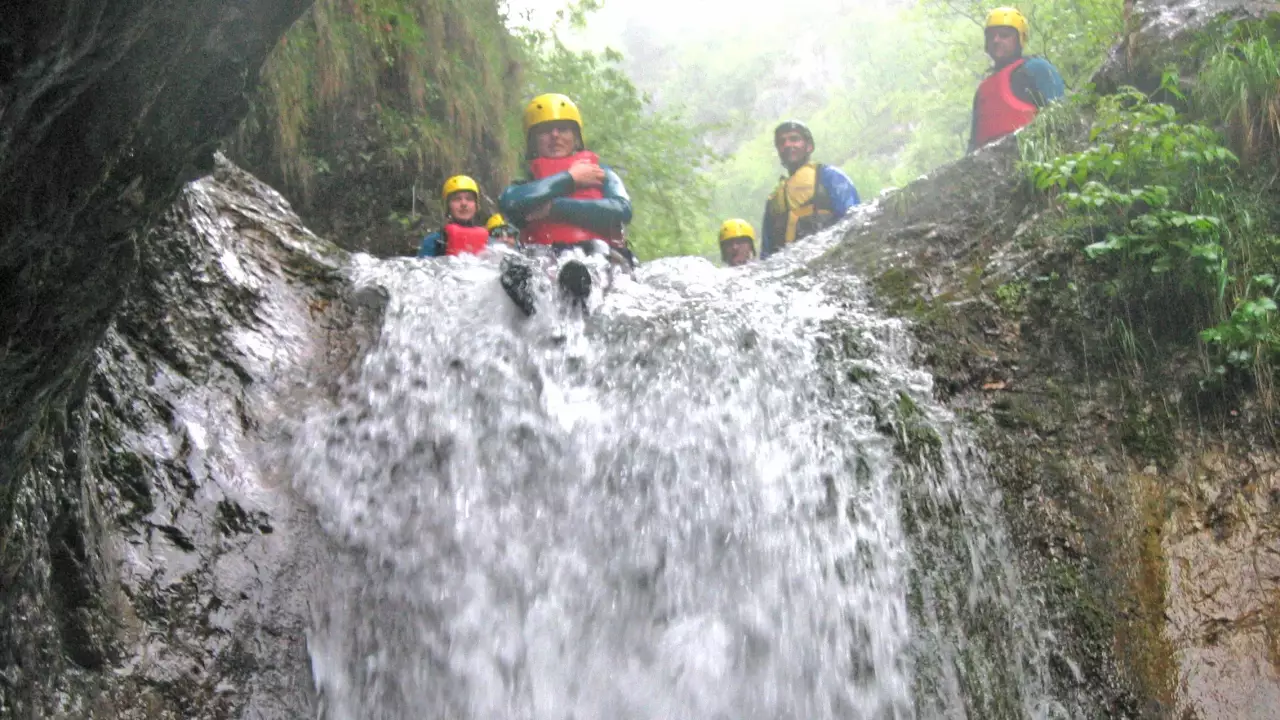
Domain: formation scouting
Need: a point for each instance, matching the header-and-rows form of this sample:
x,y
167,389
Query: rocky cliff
x,y
366,108
1148,508
106,109
156,567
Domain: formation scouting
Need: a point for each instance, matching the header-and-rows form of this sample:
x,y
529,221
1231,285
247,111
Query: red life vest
x,y
548,232
459,239
999,111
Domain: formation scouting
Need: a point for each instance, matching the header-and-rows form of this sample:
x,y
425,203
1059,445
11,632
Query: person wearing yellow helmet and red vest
x,y
570,201
811,198
1017,87
460,233
737,242
570,197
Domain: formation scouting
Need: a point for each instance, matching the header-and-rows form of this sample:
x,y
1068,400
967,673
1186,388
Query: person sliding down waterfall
x,y
570,203
1017,87
460,233
810,198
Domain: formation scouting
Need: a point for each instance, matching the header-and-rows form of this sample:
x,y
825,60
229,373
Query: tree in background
x,y
886,87
1074,35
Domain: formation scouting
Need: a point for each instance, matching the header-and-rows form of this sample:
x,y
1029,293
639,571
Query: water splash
x,y
717,496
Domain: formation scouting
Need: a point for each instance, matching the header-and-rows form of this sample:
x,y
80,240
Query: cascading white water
x,y
691,504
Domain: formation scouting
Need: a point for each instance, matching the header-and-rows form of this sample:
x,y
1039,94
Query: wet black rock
x,y
155,566
106,108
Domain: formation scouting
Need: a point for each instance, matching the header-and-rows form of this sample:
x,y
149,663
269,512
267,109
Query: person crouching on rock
x,y
737,242
502,232
460,233
570,201
1017,87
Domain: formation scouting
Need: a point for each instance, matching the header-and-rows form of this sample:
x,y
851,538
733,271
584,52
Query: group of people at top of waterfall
x,y
572,201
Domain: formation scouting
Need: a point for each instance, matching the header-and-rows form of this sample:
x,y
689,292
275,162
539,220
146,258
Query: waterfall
x,y
721,494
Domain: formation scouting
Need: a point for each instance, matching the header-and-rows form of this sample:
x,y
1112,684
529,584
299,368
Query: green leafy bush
x,y
1163,206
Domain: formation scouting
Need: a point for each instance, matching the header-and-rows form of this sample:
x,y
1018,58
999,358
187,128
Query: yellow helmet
x,y
458,183
1010,17
736,228
495,221
549,108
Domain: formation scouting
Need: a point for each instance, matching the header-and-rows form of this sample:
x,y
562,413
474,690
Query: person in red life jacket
x,y
460,234
570,201
811,197
1017,87
737,242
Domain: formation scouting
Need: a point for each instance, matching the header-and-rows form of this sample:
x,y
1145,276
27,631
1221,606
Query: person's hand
x,y
587,175
541,212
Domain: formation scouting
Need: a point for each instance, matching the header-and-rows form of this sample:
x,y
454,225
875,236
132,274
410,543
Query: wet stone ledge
x,y
158,567
1147,512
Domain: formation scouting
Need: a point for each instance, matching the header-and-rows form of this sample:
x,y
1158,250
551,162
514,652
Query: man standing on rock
x,y
1017,87
810,198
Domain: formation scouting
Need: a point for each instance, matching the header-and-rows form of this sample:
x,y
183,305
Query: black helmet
x,y
793,125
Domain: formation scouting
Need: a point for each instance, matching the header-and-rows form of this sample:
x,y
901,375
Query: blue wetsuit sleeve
x,y
1046,80
520,199
844,196
604,215
432,245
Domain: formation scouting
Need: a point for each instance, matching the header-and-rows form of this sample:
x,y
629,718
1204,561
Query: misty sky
x,y
676,16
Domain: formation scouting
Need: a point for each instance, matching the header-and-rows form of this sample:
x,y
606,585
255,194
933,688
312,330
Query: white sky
x,y
674,15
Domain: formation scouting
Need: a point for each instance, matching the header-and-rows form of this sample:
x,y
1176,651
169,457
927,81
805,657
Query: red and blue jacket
x,y
455,239
1011,96
576,214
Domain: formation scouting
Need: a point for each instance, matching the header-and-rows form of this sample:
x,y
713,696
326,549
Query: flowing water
x,y
723,494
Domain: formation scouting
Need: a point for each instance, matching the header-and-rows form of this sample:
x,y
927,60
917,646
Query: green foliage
x,y
1174,221
1012,296
366,106
1239,82
659,154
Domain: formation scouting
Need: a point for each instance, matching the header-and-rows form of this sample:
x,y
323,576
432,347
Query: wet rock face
x,y
106,108
1159,30
155,566
1150,520
1222,541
